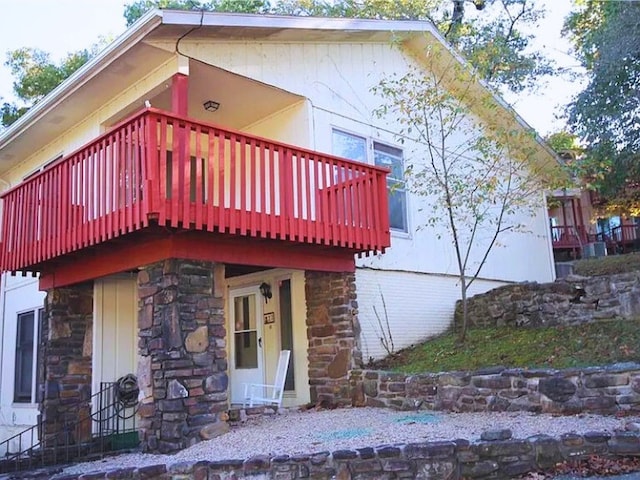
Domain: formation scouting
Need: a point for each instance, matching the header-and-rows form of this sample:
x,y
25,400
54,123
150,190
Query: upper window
x,y
355,148
391,158
27,339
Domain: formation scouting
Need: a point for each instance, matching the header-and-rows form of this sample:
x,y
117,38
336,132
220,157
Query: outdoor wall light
x,y
211,106
265,290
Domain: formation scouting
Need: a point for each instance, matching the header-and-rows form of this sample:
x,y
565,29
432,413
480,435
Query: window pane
x,y
245,313
246,349
286,330
24,358
389,157
398,209
349,146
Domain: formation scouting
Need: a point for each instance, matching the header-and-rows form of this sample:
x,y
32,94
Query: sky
x,y
61,26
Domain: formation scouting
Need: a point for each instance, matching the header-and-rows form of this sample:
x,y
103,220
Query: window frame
x,y
370,153
19,397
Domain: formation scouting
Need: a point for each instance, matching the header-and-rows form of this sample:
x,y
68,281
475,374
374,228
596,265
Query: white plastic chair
x,y
268,394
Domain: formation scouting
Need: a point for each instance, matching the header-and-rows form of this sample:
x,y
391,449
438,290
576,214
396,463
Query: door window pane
x,y
245,334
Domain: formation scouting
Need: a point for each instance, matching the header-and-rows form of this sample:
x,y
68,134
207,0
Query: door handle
x,y
260,342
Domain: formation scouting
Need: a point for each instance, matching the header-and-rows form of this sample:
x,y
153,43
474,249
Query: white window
x,y
355,148
27,340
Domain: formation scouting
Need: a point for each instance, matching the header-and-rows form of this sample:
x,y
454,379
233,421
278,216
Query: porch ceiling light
x,y
211,106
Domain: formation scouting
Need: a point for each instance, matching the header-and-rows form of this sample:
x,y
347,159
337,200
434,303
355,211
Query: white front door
x,y
246,365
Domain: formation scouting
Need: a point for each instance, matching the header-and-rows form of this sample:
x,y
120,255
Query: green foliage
x,y
606,37
499,50
479,183
562,142
585,169
609,265
35,75
9,113
548,347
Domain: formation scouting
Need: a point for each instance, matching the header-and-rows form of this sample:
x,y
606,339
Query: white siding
x,y
115,332
19,294
338,80
290,125
418,306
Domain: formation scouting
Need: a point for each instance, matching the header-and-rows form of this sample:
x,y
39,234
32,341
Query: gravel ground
x,y
292,432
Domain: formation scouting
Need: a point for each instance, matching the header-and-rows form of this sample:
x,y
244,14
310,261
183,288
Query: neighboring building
x,y
191,241
577,231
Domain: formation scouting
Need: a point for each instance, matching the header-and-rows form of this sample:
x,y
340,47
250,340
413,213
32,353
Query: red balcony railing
x,y
157,167
569,236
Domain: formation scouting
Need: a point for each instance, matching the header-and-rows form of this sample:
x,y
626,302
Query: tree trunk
x,y
465,314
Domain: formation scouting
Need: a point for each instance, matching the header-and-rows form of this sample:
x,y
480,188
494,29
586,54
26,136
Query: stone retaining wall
x,y
500,458
571,301
603,390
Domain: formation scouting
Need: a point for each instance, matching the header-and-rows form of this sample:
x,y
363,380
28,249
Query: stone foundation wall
x,y
182,354
498,459
332,331
571,301
595,390
66,354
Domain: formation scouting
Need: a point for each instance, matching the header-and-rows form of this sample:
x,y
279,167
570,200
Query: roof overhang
x,y
114,68
43,111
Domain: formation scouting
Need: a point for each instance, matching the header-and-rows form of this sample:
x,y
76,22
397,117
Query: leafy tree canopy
x,y
35,75
606,38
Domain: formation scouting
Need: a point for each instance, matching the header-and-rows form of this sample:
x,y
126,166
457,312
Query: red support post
x,y
180,94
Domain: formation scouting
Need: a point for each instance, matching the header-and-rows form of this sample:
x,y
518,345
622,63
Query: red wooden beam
x,y
135,251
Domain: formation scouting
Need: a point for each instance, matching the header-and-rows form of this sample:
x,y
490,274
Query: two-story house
x,y
209,190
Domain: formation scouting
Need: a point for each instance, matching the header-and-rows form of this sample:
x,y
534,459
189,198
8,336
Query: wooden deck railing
x,y
157,167
569,236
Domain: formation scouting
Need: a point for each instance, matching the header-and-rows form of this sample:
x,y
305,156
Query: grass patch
x,y
608,265
549,347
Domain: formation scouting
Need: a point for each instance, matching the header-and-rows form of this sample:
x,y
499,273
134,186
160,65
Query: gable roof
x,y
172,24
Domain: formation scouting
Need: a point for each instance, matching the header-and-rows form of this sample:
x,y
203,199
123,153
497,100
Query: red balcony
x,y
158,170
569,236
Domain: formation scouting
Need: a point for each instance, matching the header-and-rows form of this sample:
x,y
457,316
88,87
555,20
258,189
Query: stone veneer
x,y
497,456
603,390
66,352
182,354
571,301
332,332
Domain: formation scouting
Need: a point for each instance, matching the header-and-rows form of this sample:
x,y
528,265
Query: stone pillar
x,y
333,332
66,350
182,354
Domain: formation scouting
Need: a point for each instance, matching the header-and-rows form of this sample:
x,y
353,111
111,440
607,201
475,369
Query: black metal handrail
x,y
110,426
